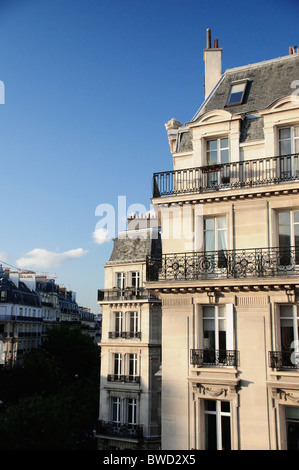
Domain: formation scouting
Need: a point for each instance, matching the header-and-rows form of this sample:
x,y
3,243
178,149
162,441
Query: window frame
x,y
218,413
240,101
293,138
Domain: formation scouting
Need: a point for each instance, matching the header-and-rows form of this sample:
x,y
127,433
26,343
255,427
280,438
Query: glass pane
x,y
296,216
222,311
224,143
210,405
284,229
224,156
225,406
221,222
286,311
211,432
209,339
209,224
209,312
285,133
208,324
296,145
209,240
296,232
225,425
222,342
287,337
285,147
212,145
212,157
236,93
222,241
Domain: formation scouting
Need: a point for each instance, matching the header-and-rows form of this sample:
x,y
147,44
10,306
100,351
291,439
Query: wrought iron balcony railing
x,y
124,334
284,359
256,262
123,430
139,293
241,174
213,357
123,378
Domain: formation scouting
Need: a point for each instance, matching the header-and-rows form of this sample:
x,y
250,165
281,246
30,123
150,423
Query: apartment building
x,y
130,389
228,277
21,325
30,303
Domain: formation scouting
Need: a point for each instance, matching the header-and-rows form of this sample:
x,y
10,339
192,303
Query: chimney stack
x,y
213,64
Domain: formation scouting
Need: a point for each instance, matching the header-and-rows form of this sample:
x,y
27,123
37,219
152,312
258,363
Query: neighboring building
x,y
30,303
129,416
21,323
47,290
229,283
91,323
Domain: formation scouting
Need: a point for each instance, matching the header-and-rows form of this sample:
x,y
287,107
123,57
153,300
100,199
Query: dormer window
x,y
236,93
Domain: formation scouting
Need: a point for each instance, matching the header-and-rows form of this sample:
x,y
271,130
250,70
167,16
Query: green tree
x,y
51,401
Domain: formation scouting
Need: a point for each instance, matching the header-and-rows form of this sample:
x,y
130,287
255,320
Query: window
x,y
236,93
289,140
288,237
217,157
289,149
116,404
292,425
133,324
117,365
118,327
132,366
216,336
217,425
217,151
215,240
132,411
136,279
120,280
289,334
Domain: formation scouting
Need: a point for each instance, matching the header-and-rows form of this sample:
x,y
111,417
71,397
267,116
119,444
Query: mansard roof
x,y
267,82
135,245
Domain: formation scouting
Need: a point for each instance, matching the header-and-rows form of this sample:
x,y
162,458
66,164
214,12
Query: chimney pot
x,y
208,39
216,43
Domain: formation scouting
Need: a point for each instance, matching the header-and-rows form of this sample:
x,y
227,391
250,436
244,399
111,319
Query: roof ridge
x,y
260,64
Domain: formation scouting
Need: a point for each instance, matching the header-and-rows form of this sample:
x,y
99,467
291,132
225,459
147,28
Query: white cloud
x,y
3,256
41,258
100,236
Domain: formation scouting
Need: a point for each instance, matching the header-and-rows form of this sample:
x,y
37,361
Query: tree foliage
x,y
50,402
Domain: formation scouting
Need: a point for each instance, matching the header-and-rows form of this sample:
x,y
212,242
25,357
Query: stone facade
x,y
130,392
228,276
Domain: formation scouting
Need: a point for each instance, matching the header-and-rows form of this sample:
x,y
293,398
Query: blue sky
x,y
89,85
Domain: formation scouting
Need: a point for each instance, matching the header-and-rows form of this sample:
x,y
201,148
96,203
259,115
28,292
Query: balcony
x,y
123,378
224,264
241,174
280,360
124,334
120,430
122,295
213,357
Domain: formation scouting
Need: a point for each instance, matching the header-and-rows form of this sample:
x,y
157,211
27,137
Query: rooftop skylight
x,y
236,93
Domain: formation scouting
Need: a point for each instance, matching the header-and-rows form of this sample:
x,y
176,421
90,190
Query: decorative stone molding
x,y
177,302
286,396
214,391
